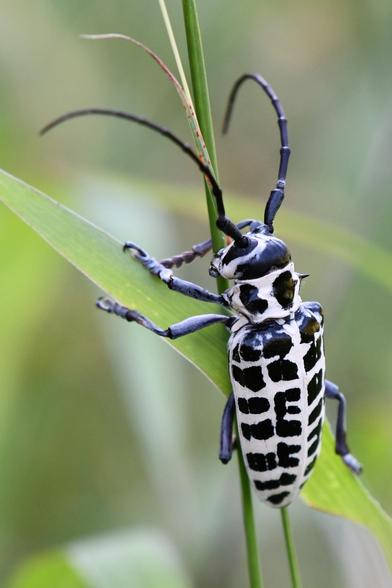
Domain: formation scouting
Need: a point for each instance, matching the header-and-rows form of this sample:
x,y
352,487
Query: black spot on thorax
x,y
284,289
251,301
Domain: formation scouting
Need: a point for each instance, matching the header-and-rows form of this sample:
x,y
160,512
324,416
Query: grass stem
x,y
291,554
203,111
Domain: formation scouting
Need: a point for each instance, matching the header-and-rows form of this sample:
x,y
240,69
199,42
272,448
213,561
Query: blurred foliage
x,y
139,558
76,456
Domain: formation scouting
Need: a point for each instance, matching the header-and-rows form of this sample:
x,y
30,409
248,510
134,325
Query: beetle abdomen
x,y
277,374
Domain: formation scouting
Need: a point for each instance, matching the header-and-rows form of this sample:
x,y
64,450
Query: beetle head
x,y
257,255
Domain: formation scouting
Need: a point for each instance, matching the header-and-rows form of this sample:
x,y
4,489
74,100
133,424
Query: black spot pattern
x,y
282,370
249,353
278,498
310,466
277,441
293,394
284,288
315,431
251,301
313,355
285,452
258,405
262,431
285,428
314,387
261,462
237,374
316,412
235,354
253,378
253,405
284,480
245,428
313,447
280,345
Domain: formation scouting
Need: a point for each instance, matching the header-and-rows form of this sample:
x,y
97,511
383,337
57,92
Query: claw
x,y
352,463
225,458
129,245
104,304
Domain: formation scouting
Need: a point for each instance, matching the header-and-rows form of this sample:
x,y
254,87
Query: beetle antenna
x,y
223,223
277,195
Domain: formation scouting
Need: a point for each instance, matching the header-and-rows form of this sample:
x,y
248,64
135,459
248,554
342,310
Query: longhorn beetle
x,y
276,355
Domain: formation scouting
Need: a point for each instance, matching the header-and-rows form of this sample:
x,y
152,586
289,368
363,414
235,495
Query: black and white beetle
x,y
276,356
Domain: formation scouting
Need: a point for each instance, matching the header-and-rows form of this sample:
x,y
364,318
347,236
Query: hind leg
x,y
341,448
226,436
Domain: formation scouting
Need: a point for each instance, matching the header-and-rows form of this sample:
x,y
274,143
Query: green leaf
x,y
332,488
99,256
144,559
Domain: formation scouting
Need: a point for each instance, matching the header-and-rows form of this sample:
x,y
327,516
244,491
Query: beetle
x,y
275,348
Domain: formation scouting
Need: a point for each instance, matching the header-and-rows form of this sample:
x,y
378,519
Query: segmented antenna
x,y
223,223
277,195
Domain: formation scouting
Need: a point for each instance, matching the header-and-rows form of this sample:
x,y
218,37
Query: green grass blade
x,y
203,112
120,560
173,44
332,488
290,548
199,77
335,490
97,255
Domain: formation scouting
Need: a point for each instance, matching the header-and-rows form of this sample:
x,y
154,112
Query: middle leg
x,y
185,327
198,250
226,436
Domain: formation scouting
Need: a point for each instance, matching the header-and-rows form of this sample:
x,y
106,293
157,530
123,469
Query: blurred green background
x,y
103,429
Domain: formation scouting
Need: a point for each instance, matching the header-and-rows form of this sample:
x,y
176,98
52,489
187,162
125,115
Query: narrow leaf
x,y
332,488
143,559
97,255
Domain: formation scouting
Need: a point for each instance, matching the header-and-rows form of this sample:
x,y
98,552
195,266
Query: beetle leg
x,y
341,448
198,250
185,327
226,441
172,282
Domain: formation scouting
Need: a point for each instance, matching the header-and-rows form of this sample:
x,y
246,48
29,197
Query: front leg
x,y
172,282
341,448
185,327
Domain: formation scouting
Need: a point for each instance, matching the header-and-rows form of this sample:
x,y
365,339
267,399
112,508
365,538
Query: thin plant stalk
x,y
252,550
290,547
174,47
203,114
203,111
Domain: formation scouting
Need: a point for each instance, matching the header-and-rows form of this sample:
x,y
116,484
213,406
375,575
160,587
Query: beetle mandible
x,y
276,355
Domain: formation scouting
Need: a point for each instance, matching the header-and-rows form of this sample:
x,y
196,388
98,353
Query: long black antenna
x,y
277,195
223,223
